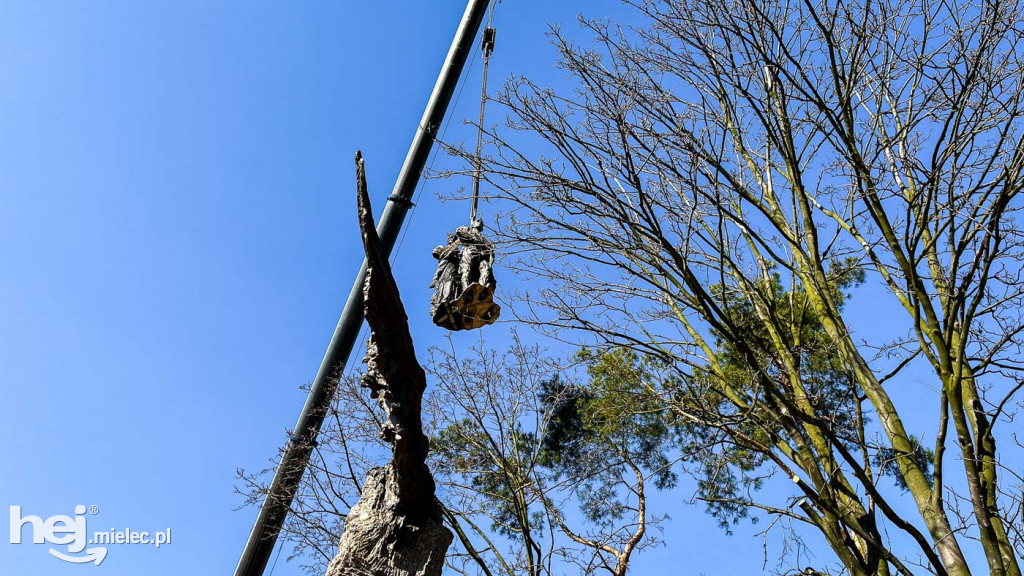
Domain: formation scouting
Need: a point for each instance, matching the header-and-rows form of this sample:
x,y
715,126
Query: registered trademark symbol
x,y
94,509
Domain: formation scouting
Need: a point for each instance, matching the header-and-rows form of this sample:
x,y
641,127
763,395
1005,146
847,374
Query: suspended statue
x,y
464,281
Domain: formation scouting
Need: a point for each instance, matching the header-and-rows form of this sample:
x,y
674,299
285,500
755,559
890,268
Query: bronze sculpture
x,y
464,282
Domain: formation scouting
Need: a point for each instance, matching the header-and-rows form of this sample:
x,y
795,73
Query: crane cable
x,y
463,282
487,46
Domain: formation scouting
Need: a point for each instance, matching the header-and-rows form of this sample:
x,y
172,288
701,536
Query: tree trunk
x,y
395,529
379,541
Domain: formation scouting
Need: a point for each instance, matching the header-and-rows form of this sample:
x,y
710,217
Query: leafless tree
x,y
501,457
515,507
723,177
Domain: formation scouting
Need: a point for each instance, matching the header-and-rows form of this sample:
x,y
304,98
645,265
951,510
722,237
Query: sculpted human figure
x,y
463,283
446,283
476,262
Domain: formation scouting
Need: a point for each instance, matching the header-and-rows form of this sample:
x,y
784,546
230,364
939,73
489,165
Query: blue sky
x,y
178,233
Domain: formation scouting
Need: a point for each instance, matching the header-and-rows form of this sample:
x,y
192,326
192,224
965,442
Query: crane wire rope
x,y
487,46
280,547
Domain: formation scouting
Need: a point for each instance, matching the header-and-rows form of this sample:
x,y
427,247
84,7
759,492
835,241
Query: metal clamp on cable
x,y
487,44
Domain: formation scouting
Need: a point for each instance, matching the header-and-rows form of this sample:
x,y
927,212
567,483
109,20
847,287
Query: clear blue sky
x,y
177,232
